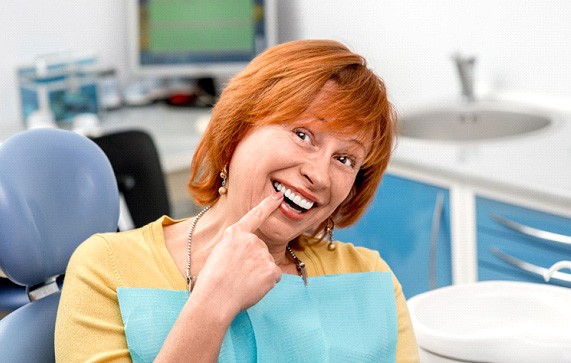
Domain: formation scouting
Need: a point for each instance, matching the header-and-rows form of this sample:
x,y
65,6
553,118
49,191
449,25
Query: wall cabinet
x,y
409,224
517,243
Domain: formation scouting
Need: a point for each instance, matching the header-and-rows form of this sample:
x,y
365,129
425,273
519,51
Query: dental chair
x,y
57,188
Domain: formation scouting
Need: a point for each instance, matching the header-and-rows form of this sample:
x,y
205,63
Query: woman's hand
x,y
238,273
240,270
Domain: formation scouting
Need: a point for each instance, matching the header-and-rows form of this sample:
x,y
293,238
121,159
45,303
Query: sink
x,y
472,122
495,321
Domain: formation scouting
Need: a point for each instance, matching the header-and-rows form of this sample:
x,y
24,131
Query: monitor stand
x,y
205,94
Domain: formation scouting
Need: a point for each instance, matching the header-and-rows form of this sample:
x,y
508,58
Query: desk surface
x,y
176,131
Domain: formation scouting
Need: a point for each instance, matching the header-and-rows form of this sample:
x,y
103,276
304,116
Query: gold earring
x,y
223,175
329,232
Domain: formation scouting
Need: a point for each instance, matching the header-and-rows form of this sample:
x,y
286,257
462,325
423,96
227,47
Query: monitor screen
x,y
198,38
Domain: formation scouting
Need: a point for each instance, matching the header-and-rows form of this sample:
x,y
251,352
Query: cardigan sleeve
x,y
89,327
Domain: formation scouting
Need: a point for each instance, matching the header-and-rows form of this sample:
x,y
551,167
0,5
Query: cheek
x,y
342,189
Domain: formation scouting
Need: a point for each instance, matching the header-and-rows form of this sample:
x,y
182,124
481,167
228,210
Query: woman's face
x,y
312,165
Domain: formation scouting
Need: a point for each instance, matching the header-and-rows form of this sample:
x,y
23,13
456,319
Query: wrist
x,y
218,311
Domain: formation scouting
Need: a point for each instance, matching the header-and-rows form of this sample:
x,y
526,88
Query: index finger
x,y
257,215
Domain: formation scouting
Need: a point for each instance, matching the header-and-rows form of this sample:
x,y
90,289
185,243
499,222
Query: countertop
x,y
536,165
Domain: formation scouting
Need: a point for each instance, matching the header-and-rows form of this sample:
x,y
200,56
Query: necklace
x,y
191,279
299,264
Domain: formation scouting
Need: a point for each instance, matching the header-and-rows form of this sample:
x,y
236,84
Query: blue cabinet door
x,y
514,253
399,224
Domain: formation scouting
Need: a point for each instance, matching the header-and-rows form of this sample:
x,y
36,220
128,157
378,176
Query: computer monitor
x,y
198,38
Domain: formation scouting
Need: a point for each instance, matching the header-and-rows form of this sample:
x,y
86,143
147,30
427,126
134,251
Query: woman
x,y
297,143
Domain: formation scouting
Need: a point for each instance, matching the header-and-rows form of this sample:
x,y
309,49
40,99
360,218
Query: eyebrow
x,y
360,143
345,137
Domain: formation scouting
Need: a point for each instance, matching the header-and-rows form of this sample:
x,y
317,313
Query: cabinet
x,y
517,243
409,224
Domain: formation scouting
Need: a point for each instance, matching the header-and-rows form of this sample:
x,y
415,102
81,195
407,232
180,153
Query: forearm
x,y
198,332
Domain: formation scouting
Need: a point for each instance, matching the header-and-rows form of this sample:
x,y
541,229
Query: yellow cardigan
x,y
89,325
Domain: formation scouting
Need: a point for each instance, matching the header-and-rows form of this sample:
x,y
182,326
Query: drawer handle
x,y
533,232
528,267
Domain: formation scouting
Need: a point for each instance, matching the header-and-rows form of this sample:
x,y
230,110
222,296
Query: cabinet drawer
x,y
511,235
492,252
488,211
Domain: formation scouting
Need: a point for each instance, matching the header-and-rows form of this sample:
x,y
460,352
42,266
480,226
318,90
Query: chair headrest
x,y
57,188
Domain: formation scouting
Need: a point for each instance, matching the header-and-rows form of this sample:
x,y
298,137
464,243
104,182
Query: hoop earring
x,y
223,175
331,246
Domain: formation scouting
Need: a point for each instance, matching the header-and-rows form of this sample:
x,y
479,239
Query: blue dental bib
x,y
337,318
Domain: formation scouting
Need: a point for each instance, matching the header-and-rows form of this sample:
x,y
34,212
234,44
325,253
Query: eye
x,y
347,161
303,135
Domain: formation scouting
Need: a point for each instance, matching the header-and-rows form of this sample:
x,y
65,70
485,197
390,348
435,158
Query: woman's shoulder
x,y
122,256
344,258
101,242
104,244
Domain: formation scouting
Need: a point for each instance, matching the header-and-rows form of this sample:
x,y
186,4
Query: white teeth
x,y
295,198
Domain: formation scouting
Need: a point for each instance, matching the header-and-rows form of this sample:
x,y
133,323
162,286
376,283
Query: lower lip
x,y
286,210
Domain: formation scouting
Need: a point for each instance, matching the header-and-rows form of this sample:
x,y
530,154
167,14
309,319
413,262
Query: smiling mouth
x,y
296,202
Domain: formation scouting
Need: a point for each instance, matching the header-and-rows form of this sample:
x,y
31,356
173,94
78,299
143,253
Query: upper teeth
x,y
296,198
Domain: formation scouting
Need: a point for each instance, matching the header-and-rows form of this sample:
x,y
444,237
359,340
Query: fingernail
x,y
277,195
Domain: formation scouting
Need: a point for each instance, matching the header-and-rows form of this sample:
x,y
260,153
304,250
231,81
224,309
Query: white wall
x,y
523,46
32,27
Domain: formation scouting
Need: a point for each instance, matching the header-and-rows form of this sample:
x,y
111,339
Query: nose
x,y
315,170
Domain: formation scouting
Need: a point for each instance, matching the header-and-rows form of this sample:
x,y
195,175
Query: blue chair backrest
x,y
57,188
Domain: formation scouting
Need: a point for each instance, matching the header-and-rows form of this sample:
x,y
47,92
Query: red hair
x,y
277,87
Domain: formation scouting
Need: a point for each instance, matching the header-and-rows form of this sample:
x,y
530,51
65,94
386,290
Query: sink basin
x,y
495,321
472,122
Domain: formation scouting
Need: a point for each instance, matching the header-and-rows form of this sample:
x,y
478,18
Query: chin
x,y
277,233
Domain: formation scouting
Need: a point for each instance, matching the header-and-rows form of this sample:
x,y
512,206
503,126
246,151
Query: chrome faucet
x,y
465,67
556,267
